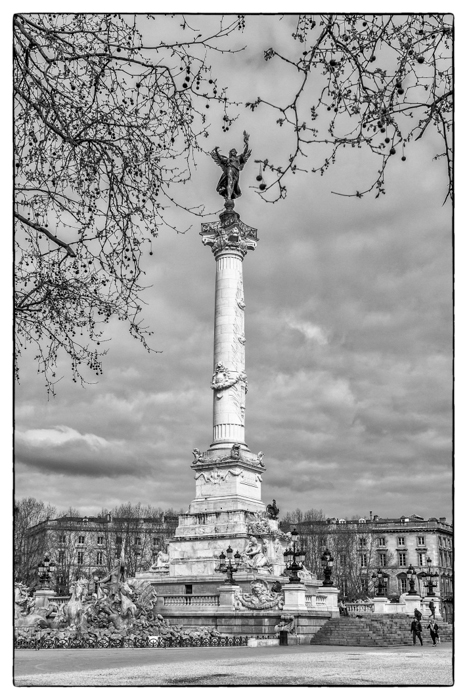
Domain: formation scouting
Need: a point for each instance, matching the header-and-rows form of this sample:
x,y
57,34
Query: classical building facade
x,y
88,546
361,547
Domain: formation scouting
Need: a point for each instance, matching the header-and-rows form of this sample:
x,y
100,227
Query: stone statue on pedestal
x,y
272,510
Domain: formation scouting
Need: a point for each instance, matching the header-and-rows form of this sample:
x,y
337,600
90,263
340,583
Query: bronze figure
x,y
228,186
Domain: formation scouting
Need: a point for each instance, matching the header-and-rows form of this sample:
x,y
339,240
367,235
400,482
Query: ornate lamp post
x,y
226,566
411,573
45,570
294,558
379,579
430,575
327,561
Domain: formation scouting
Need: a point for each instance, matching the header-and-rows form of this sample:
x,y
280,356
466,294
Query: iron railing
x,y
89,641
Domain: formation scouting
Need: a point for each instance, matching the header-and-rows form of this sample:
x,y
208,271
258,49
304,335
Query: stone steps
x,y
375,630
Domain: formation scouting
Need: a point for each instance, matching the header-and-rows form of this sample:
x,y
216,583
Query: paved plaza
x,y
302,665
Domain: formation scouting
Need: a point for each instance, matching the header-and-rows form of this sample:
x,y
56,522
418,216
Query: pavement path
x,y
297,665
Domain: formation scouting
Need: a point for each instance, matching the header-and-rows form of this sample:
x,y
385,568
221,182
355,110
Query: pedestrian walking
x,y
432,609
433,627
416,629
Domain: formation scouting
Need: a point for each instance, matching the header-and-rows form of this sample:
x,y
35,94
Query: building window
x,y
118,539
100,558
80,539
100,540
421,541
362,542
137,540
403,585
421,559
342,559
364,583
80,557
382,559
61,557
382,541
402,559
401,541
363,560
188,588
344,587
62,539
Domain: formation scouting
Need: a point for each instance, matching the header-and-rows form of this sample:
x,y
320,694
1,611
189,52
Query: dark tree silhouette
x,y
377,82
104,124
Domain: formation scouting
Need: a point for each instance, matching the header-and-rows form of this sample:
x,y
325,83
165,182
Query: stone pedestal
x,y
330,603
426,612
411,602
294,597
42,597
226,596
380,604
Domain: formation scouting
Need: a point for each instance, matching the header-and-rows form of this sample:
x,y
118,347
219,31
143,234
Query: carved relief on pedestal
x,y
287,624
161,564
216,476
235,451
255,556
258,524
278,552
260,598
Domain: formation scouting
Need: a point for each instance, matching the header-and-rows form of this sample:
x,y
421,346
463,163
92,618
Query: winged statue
x,y
228,185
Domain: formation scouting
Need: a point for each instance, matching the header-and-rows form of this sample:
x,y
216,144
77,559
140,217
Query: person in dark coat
x,y
433,627
416,629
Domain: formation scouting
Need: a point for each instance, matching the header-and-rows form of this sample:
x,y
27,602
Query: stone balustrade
x,y
360,608
199,601
60,599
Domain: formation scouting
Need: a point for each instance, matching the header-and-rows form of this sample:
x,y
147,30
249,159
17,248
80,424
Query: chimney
x,y
442,520
371,515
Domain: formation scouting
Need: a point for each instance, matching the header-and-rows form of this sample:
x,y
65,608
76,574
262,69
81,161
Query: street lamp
x,y
226,566
45,570
380,579
411,573
294,558
430,575
327,561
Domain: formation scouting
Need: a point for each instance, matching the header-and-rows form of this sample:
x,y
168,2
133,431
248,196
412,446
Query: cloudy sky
x,y
348,327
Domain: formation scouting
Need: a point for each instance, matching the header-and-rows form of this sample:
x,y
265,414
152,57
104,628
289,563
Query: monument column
x,y
229,243
228,475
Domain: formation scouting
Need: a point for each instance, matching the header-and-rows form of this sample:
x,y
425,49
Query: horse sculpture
x,y
26,612
73,612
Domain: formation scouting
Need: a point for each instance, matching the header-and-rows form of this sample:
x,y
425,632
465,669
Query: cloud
x,y
309,330
348,352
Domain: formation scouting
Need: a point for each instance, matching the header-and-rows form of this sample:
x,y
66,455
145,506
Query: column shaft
x,y
229,350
